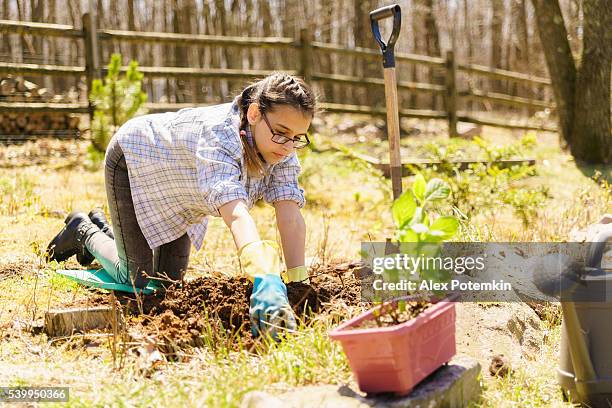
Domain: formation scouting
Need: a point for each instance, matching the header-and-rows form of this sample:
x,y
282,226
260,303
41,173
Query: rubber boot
x,y
97,217
70,240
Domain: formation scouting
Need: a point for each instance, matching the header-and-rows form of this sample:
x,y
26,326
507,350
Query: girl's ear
x,y
253,114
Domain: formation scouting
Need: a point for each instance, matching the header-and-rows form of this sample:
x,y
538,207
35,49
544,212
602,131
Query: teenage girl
x,y
166,173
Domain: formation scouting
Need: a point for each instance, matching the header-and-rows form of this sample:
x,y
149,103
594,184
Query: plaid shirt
x,y
184,165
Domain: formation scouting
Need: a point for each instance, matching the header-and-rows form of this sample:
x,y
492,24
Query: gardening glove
x,y
269,306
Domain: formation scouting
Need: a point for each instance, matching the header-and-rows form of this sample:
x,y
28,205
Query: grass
x,y
348,202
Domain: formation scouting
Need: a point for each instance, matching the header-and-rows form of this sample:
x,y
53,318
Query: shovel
x,y
390,88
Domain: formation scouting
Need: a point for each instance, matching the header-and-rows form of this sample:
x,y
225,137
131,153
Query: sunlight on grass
x,y
348,202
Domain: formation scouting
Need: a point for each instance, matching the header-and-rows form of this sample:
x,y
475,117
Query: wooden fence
x,y
304,45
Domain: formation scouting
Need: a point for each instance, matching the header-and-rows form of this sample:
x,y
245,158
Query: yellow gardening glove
x,y
259,258
298,274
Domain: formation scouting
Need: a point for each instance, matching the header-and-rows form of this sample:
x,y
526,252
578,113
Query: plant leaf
x,y
418,187
408,235
444,227
403,209
436,189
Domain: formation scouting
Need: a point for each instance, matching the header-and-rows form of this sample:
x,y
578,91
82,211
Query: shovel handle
x,y
387,47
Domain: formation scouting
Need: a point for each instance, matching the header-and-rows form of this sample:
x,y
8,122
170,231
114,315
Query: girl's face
x,y
283,120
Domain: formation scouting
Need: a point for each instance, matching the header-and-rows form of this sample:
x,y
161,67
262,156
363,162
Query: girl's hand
x,y
269,309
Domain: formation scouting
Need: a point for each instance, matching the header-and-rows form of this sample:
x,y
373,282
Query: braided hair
x,y
278,88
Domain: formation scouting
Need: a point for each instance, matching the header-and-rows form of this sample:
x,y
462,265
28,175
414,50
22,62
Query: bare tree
x,y
497,24
582,90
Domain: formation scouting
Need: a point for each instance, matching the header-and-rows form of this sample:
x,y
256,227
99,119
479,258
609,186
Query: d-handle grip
x,y
387,47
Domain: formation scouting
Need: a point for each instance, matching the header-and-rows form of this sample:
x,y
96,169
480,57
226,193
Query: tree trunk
x,y
591,138
325,62
497,37
180,25
418,36
211,56
50,49
522,46
168,52
132,27
220,16
582,96
250,22
100,24
432,46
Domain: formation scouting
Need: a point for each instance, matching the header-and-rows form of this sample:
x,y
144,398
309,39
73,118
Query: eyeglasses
x,y
299,141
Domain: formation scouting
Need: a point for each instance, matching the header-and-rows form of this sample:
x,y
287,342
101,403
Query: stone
x,y
454,385
500,366
485,330
260,399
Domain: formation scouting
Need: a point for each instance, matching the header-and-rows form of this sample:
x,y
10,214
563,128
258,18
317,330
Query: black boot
x,y
97,217
70,239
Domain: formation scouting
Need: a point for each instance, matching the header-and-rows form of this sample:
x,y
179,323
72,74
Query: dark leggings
x,y
128,258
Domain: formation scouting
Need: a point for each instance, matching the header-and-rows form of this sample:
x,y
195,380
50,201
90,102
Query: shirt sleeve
x,y
219,170
283,183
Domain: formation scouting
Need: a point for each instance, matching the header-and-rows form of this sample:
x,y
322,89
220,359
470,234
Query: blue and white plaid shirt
x,y
184,165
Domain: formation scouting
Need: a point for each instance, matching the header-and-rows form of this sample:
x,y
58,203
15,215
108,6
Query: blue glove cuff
x,y
269,280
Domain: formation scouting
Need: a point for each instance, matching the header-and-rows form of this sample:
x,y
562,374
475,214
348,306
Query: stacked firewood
x,y
17,91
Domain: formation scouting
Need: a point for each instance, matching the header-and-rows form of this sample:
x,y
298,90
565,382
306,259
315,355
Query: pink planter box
x,y
396,358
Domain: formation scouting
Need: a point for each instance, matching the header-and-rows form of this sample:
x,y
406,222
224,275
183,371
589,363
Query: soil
x,y
219,306
391,315
14,269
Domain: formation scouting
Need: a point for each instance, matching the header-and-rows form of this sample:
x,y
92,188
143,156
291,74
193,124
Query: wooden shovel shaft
x,y
393,131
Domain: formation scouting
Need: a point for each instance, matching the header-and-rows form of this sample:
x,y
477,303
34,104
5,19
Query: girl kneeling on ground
x,y
165,173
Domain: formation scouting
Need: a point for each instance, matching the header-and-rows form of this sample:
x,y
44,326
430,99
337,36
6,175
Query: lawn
x,y
348,201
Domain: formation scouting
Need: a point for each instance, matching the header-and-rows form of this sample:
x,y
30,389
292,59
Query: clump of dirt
x,y
219,306
15,269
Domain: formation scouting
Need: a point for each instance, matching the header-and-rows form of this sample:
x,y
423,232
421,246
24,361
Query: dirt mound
x,y
219,307
15,269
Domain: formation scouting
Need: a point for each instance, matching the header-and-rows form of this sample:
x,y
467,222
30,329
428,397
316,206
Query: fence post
x,y
451,93
305,55
91,55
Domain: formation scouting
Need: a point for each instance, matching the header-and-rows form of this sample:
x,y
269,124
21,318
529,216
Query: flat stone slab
x,y
454,385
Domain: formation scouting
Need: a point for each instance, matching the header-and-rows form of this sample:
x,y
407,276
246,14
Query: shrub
x,y
116,99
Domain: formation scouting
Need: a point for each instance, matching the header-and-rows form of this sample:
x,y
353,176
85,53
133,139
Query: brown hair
x,y
278,88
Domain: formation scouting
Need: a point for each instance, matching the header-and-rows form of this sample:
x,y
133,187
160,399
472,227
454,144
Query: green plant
x,y
412,219
116,99
484,187
526,202
419,235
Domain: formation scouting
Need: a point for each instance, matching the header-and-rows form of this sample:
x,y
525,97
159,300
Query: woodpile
x,y
19,91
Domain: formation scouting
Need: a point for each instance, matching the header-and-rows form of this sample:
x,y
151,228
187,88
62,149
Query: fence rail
x,y
303,44
29,27
194,39
164,72
39,69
